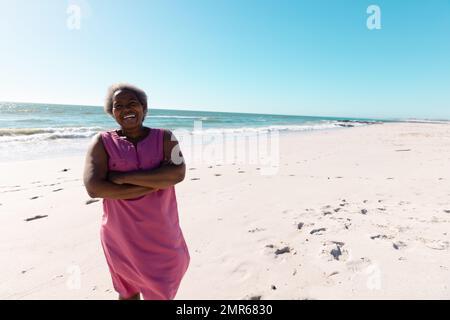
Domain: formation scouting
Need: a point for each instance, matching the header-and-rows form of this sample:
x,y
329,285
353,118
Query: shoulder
x,y
97,145
166,134
99,138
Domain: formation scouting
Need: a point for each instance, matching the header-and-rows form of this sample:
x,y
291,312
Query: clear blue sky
x,y
290,57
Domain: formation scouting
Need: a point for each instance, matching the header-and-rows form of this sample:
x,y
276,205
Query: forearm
x,y
160,178
108,190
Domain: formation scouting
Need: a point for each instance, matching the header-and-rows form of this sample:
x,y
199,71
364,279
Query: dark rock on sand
x,y
336,252
363,211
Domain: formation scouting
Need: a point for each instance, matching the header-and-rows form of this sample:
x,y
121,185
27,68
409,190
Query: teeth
x,y
129,116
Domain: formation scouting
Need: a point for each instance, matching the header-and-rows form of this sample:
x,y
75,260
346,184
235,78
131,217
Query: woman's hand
x,y
116,177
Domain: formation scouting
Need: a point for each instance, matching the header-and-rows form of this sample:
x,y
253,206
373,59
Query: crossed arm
x,y
101,183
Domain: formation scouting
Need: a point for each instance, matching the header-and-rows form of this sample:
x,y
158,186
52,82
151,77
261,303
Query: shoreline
x,y
63,154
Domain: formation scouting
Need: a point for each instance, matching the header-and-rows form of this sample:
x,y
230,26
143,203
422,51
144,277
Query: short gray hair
x,y
140,95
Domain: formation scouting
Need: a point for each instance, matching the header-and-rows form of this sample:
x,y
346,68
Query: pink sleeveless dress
x,y
141,237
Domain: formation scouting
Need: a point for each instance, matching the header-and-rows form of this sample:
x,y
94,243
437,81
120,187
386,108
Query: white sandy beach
x,y
376,200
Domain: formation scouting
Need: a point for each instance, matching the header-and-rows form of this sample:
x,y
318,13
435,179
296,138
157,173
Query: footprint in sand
x,y
358,265
435,244
379,236
256,230
277,252
333,274
217,174
56,190
282,250
318,231
25,271
36,217
399,245
92,201
242,271
195,178
35,197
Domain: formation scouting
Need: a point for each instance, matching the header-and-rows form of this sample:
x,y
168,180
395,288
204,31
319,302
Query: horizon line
x,y
250,113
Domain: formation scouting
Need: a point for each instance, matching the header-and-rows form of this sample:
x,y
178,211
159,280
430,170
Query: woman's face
x,y
127,110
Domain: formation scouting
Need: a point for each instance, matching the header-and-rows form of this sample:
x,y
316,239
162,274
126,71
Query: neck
x,y
133,133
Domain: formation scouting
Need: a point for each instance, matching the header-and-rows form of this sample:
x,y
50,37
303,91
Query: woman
x,y
134,170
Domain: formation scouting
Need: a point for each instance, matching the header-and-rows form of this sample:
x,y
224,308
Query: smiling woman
x,y
131,169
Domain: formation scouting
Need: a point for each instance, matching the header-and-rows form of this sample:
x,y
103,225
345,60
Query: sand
x,y
352,213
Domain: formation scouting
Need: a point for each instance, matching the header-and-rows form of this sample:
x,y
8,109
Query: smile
x,y
129,116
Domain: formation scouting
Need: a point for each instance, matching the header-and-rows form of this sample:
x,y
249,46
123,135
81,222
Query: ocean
x,y
34,131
